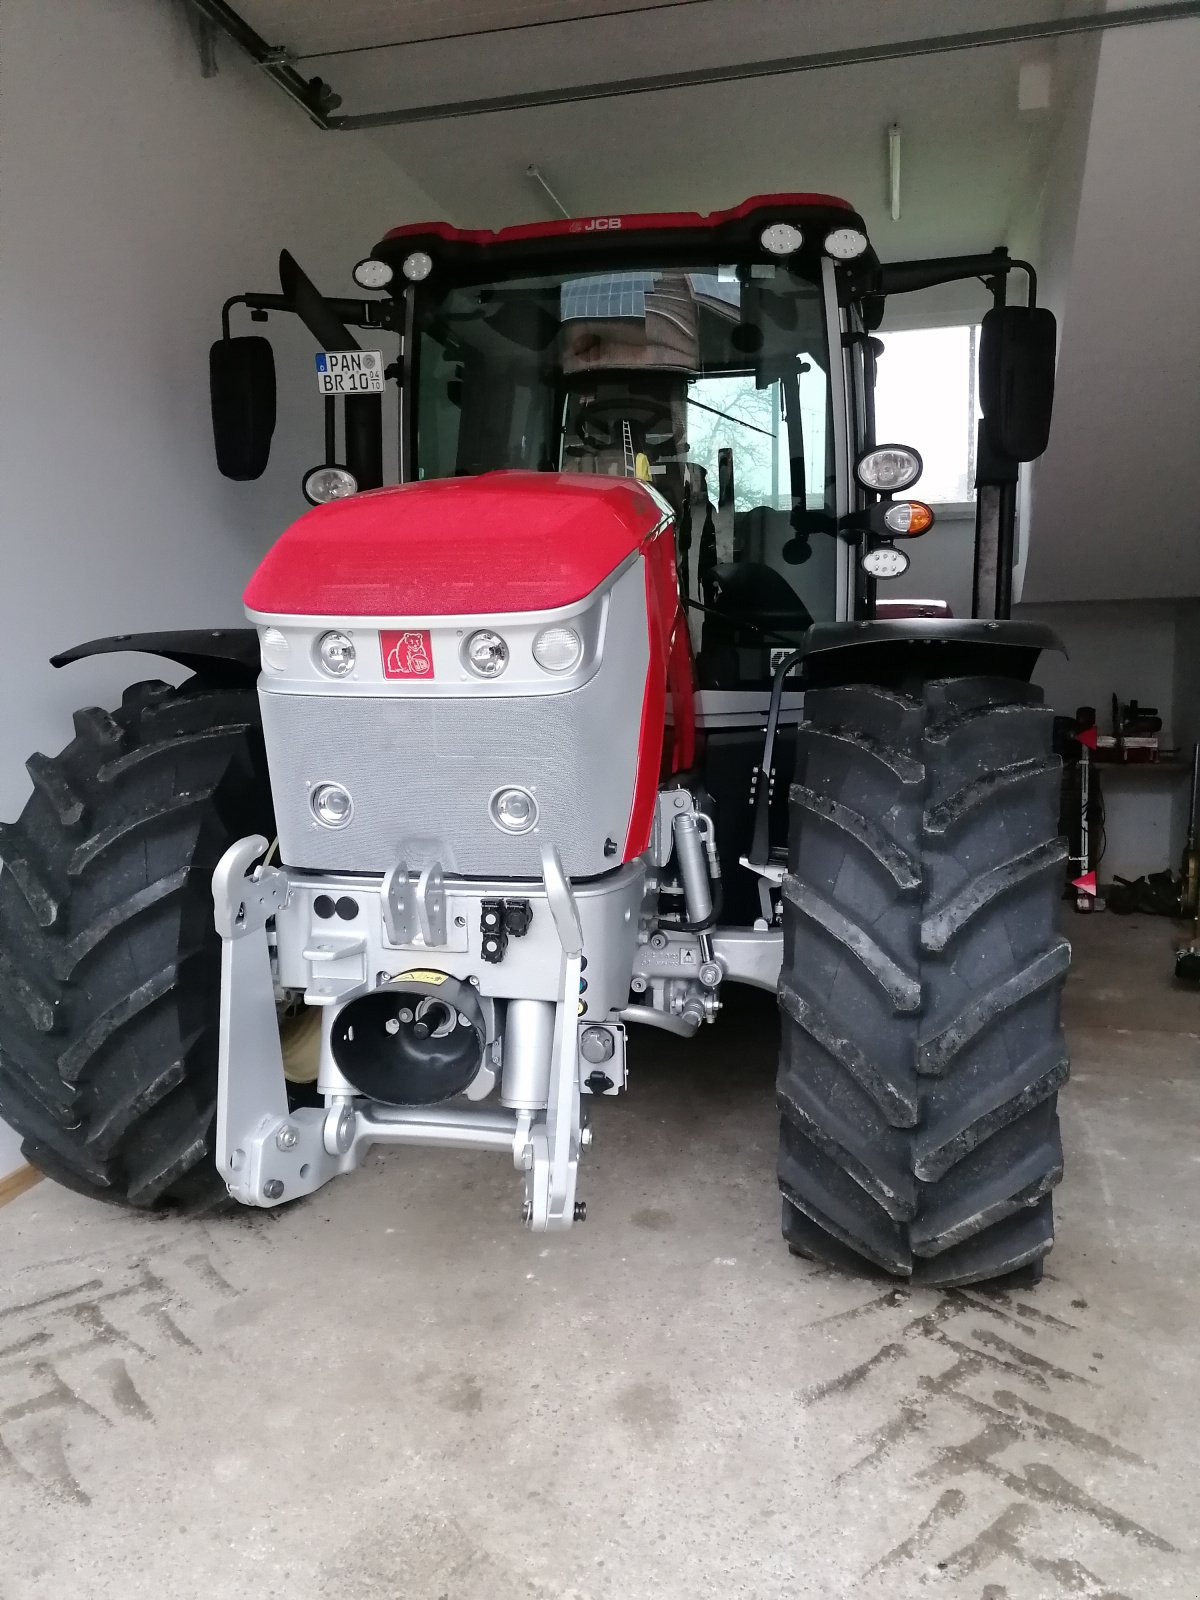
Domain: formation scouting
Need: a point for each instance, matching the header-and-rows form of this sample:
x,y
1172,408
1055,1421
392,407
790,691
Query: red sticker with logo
x,y
407,655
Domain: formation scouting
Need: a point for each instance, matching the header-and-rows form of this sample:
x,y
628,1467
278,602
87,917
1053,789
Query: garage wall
x,y
1132,650
1115,496
137,196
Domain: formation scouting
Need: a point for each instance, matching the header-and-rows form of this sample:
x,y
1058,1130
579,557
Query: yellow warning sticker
x,y
421,976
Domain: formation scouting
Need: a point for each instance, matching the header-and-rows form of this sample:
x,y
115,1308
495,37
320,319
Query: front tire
x,y
922,975
109,958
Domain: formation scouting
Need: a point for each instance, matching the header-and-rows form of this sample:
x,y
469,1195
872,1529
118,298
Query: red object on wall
x,y
502,541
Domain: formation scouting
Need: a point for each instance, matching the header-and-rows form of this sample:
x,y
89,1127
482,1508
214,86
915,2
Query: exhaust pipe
x,y
415,1042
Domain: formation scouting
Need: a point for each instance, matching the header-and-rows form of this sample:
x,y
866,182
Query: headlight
x,y
485,654
558,649
275,650
417,266
513,810
844,244
336,655
781,238
331,805
372,274
888,468
908,518
885,562
323,484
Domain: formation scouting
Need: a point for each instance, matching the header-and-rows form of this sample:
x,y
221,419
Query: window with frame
x,y
927,396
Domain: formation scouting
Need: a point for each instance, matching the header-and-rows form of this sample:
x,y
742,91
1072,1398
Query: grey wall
x,y
1115,498
137,196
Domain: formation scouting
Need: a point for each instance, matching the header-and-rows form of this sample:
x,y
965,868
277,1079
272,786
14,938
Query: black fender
x,y
227,654
917,648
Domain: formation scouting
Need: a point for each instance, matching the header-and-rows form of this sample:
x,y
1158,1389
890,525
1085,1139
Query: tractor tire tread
x,y
922,1049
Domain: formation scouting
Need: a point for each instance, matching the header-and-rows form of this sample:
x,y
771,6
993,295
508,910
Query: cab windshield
x,y
712,384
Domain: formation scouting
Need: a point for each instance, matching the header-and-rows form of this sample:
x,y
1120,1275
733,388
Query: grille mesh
x,y
421,771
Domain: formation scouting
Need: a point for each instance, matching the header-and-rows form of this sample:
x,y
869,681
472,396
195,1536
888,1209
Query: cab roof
x,y
778,206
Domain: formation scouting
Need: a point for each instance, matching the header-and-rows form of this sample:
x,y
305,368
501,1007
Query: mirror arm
x,y
358,313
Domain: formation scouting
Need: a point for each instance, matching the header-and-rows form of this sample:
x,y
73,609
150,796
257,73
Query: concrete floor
x,y
394,1391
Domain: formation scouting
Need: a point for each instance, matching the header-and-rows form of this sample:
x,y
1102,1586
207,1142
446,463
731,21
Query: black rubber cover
x,y
922,1048
109,959
908,651
219,653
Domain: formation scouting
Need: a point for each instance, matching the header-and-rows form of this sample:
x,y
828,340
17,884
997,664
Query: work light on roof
x,y
781,238
417,266
372,274
844,244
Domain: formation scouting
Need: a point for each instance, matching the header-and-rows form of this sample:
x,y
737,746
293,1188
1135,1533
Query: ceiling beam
x,y
317,99
313,95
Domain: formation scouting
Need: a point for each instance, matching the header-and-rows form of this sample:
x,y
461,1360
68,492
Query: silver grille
x,y
422,771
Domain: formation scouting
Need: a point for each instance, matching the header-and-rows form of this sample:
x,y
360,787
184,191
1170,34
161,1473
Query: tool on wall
x,y
1189,870
1088,831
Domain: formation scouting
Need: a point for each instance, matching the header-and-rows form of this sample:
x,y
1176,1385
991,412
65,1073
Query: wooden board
x,y
17,1182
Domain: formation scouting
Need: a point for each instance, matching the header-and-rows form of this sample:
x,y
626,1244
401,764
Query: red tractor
x,y
587,718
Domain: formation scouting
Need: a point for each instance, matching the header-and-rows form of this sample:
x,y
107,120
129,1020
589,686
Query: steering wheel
x,y
597,421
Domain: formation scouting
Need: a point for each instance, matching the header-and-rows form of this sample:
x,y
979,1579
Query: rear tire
x,y
109,958
921,984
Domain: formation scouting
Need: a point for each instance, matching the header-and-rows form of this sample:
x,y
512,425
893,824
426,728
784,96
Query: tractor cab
x,y
693,353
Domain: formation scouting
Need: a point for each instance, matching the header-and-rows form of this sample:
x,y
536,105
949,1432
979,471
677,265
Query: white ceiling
x,y
971,160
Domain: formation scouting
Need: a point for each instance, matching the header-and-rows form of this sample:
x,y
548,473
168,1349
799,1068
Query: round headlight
x,y
331,805
485,654
417,266
372,274
888,468
844,244
781,238
558,649
885,562
275,650
336,654
513,810
323,484
908,518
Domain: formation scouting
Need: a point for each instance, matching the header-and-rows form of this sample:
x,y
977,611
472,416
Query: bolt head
x,y
287,1137
527,1212
272,1189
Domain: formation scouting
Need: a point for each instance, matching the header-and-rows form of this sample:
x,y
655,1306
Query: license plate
x,y
350,371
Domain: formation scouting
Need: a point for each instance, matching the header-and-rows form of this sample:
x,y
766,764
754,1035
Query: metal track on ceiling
x,y
319,101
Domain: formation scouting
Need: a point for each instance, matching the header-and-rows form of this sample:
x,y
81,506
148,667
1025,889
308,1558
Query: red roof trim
x,y
623,224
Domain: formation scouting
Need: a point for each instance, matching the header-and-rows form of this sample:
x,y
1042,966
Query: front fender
x,y
919,648
229,654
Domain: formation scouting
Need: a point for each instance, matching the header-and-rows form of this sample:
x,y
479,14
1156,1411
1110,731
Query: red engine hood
x,y
503,541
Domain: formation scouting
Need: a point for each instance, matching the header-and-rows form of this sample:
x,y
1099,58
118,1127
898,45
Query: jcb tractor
x,y
530,755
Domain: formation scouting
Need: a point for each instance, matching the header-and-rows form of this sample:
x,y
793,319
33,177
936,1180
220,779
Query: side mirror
x,y
241,381
1016,378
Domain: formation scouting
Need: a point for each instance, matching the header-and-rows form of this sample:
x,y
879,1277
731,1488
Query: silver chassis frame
x,y
268,1153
